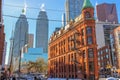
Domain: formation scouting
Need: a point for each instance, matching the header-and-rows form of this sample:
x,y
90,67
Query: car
x,y
111,78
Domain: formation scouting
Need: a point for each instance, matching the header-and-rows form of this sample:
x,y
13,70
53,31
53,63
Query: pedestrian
x,y
39,78
35,78
117,74
13,78
3,77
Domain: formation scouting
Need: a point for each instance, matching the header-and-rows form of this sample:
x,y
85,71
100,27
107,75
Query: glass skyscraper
x,y
42,31
73,9
20,34
20,39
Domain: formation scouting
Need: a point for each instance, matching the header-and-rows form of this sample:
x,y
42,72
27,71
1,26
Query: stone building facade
x,y
72,51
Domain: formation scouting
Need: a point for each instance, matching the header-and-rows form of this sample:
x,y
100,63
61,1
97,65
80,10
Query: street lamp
x,y
21,52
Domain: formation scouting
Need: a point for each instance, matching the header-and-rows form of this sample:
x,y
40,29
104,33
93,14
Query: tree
x,y
40,65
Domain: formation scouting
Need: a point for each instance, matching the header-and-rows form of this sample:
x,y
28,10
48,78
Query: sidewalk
x,y
61,79
102,78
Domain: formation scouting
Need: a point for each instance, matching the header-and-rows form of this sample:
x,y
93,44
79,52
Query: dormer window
x,y
87,15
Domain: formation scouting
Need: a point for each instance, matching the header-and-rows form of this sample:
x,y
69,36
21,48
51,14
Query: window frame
x,y
91,51
89,40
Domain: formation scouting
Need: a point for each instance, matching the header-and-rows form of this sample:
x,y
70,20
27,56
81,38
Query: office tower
x,y
73,9
42,30
115,46
107,12
63,20
4,55
103,30
30,40
73,49
20,34
20,39
2,35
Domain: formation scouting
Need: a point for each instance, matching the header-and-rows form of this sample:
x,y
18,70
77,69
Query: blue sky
x,y
33,13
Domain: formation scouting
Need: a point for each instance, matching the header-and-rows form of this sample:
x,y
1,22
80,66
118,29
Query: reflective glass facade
x,y
73,9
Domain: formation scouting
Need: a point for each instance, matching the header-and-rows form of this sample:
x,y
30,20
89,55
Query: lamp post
x,y
21,52
20,61
10,67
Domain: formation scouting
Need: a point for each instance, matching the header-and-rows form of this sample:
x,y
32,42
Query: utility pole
x,y
11,62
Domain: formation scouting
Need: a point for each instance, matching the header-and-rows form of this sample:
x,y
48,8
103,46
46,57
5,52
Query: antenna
x,y
25,7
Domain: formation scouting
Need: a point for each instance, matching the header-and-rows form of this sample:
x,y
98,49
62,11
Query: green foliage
x,y
39,66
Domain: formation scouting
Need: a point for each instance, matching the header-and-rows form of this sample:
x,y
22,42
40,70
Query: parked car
x,y
112,78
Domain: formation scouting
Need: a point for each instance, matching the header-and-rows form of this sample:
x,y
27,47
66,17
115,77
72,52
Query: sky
x,y
54,9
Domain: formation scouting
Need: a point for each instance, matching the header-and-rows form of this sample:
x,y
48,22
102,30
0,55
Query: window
x,y
87,15
98,63
119,38
90,53
106,50
72,68
102,64
84,55
82,41
89,30
68,43
98,58
75,76
64,59
69,68
89,39
75,56
92,77
69,57
82,32
85,67
72,76
64,68
0,29
99,53
107,56
91,66
101,58
64,46
75,68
